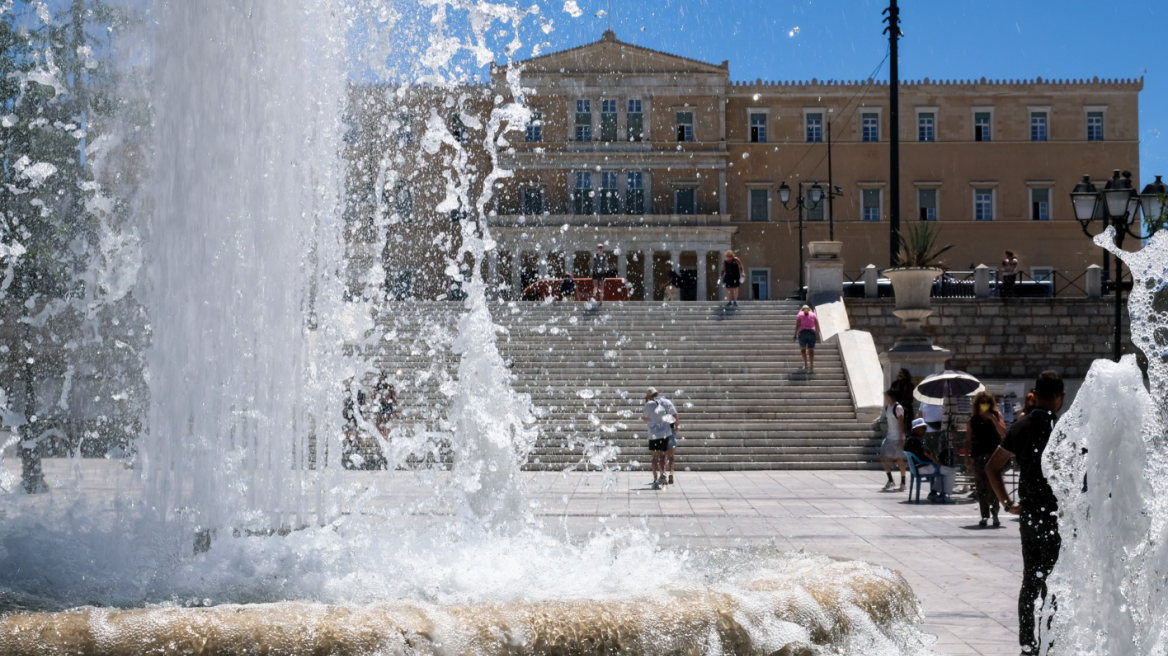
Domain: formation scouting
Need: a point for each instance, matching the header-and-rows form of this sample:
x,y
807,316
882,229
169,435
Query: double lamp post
x,y
1117,205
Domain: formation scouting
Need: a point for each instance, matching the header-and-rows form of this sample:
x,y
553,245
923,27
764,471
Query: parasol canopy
x,y
934,389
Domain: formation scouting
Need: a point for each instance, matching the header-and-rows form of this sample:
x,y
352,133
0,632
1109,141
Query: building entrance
x,y
689,284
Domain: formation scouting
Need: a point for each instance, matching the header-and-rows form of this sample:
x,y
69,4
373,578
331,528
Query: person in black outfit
x,y
983,434
1038,506
732,275
568,288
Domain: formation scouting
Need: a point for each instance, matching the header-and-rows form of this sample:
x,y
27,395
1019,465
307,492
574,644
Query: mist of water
x,y
1108,464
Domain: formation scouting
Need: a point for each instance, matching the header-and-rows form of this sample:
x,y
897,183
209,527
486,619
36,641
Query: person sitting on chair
x,y
915,444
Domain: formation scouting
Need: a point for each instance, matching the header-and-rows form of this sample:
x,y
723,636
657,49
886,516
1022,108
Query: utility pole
x,y
893,31
830,184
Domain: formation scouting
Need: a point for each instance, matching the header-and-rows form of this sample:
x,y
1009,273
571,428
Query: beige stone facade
x,y
669,162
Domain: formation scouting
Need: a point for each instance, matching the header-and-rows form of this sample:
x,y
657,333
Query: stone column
x,y
622,265
703,273
516,257
981,281
871,282
543,265
492,274
675,260
647,256
1094,282
722,191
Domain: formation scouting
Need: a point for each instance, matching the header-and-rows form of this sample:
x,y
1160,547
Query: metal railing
x,y
962,284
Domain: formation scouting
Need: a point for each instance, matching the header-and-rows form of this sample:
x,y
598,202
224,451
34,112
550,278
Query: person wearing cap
x,y
807,332
915,444
599,273
661,416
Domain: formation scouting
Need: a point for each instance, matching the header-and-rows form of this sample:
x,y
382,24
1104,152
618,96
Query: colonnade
x,y
644,260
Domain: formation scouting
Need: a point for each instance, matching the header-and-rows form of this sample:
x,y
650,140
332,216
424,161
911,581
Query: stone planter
x,y
913,286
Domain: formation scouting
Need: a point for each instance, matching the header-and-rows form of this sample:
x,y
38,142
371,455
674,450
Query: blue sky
x,y
944,39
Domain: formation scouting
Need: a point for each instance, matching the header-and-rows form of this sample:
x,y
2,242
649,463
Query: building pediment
x,y
609,55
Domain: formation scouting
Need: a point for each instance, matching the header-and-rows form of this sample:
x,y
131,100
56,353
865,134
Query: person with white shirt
x,y
661,416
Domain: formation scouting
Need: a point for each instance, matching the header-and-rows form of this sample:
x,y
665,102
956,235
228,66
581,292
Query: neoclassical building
x,y
669,163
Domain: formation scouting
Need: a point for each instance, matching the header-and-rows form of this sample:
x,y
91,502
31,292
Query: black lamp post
x,y
1117,205
811,201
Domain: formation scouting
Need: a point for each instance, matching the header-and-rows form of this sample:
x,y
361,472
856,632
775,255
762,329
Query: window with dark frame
x,y
758,205
608,120
927,201
1040,204
814,127
685,201
636,121
758,130
533,201
870,127
583,120
983,204
582,194
926,127
635,193
1094,126
871,202
981,126
685,126
609,196
535,128
1038,126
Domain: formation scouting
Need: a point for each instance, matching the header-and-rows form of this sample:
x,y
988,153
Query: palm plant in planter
x,y
912,281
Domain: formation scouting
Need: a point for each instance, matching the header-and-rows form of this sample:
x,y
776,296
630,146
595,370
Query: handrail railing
x,y
962,284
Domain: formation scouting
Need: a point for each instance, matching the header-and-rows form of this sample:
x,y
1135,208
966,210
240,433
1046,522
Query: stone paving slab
x,y
967,578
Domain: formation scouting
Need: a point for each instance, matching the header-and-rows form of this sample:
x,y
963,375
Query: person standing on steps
x,y
1009,274
983,433
892,448
807,333
733,275
599,273
672,285
661,416
1038,506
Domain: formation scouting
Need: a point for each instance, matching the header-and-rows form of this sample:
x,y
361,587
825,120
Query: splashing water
x,y
1108,464
248,263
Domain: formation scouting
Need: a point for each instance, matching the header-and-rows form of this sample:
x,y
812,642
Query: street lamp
x,y
811,201
1117,205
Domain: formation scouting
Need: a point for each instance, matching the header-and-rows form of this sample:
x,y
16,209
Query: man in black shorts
x,y
1037,506
661,415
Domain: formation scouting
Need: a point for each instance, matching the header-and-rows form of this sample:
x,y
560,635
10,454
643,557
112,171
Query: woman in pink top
x,y
807,333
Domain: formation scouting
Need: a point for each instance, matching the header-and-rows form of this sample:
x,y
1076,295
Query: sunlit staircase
x,y
734,373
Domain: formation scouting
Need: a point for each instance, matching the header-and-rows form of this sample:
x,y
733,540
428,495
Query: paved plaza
x,y
967,578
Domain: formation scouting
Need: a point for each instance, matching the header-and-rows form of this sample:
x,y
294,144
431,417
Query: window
x,y
582,196
759,284
871,205
758,205
1038,126
1042,274
871,127
927,202
685,126
608,120
636,121
635,193
533,201
983,204
403,285
403,128
814,127
1040,204
758,123
814,210
583,120
402,204
981,126
926,126
609,197
685,201
1094,126
458,129
535,128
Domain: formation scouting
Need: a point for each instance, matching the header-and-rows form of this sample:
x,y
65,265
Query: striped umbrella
x,y
936,388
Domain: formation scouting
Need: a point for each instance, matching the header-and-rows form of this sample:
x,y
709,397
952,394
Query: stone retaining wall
x,y
1005,338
